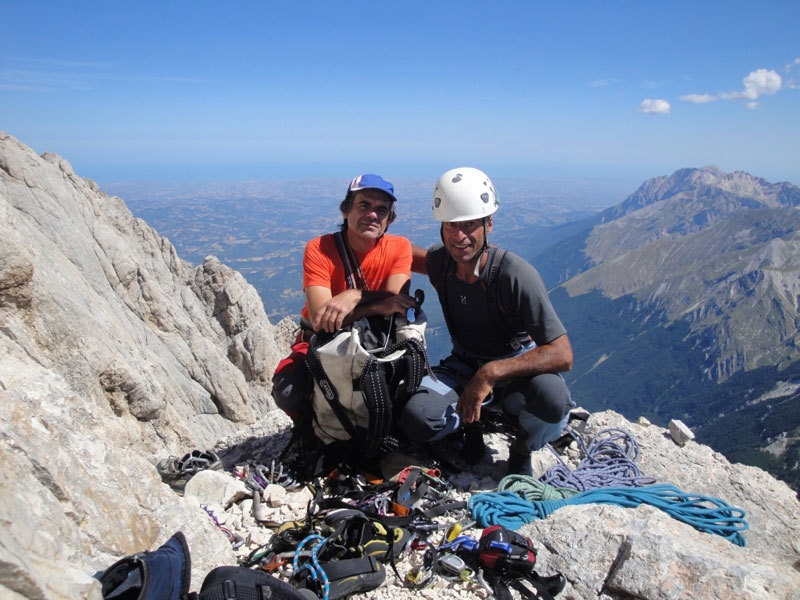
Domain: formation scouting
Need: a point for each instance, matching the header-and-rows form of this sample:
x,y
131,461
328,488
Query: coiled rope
x,y
609,461
704,513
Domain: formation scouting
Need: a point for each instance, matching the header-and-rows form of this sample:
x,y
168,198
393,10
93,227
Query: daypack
x,y
363,374
163,574
242,583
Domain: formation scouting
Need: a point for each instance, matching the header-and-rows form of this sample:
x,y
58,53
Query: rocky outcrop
x,y
102,299
115,353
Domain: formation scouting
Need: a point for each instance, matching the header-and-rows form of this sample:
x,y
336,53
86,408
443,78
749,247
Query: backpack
x,y
242,583
363,374
162,574
509,558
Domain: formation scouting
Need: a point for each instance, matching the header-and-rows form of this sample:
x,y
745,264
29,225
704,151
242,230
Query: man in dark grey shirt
x,y
509,345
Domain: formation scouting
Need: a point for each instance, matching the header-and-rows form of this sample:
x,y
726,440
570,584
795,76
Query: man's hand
x,y
331,315
397,304
477,391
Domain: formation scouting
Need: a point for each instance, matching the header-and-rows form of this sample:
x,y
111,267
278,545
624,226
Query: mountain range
x,y
683,300
117,354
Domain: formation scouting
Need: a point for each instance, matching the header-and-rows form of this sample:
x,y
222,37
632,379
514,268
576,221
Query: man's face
x,y
464,240
369,214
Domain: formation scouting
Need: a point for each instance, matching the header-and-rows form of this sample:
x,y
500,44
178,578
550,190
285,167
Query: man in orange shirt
x,y
378,286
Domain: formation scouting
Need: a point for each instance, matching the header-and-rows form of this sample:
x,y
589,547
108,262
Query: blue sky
x,y
239,90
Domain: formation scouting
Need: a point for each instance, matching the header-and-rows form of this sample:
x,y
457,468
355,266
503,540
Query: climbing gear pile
x,y
178,471
356,528
359,528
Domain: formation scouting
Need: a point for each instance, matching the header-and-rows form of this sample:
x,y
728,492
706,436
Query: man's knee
x,y
427,414
546,396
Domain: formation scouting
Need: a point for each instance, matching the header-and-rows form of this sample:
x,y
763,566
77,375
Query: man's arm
x,y
332,313
418,256
553,357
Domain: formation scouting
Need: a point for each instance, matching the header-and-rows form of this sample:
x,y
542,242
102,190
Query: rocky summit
x,y
116,354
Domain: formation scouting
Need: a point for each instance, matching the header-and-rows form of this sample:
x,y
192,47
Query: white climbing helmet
x,y
463,194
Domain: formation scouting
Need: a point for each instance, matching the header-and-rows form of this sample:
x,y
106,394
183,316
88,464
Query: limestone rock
x,y
680,432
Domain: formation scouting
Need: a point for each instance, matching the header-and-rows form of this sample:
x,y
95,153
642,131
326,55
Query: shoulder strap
x,y
354,278
496,256
492,269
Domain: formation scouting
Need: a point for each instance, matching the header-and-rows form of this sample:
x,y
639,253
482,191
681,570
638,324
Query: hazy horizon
x,y
185,91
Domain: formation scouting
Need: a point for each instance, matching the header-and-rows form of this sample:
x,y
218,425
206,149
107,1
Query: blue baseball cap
x,y
369,181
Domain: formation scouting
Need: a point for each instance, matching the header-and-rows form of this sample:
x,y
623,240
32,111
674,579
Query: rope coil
x,y
608,474
704,513
609,461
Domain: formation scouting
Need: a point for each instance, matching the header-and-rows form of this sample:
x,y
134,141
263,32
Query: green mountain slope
x,y
682,302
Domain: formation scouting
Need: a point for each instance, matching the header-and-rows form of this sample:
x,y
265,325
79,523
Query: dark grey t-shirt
x,y
522,297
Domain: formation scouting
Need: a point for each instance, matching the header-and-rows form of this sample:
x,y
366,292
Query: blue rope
x,y
501,508
511,511
317,572
609,461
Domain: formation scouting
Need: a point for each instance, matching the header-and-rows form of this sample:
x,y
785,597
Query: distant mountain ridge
x,y
695,276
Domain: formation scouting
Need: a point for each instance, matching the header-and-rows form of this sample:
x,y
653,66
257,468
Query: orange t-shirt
x,y
322,265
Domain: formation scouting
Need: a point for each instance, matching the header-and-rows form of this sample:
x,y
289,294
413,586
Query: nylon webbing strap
x,y
353,276
329,391
379,405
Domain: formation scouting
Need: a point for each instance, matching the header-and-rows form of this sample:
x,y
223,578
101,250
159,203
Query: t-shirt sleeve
x,y
524,289
401,263
317,265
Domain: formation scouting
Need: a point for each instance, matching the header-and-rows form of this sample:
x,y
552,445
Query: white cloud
x,y
654,106
761,82
792,71
699,98
758,83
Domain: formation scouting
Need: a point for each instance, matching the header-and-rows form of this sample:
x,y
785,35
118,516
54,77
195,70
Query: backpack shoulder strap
x,y
493,299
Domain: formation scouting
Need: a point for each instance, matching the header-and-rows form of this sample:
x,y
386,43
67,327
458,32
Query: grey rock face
x,y
115,353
